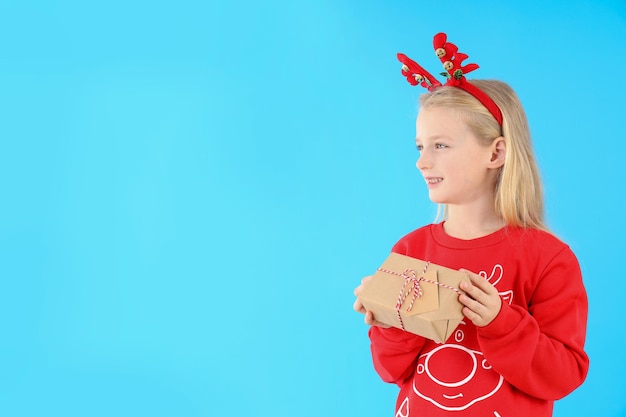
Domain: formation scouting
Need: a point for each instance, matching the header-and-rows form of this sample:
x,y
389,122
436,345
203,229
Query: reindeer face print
x,y
453,377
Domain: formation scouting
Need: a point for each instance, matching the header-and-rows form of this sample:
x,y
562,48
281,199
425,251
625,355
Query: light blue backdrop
x,y
191,190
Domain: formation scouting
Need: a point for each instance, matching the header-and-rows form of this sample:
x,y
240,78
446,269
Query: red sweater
x,y
530,355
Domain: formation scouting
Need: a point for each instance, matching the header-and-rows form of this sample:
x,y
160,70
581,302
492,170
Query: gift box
x,y
415,295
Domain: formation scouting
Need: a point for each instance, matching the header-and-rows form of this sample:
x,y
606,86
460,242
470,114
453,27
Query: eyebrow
x,y
436,137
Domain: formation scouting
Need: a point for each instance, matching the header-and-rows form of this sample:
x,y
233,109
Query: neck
x,y
471,222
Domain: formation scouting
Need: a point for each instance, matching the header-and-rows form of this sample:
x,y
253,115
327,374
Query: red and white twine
x,y
412,285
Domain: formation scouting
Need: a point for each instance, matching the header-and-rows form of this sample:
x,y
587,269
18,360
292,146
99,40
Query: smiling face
x,y
458,169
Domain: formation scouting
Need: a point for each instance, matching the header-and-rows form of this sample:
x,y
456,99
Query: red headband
x,y
452,62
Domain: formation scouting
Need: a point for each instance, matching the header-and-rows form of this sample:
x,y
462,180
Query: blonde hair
x,y
519,193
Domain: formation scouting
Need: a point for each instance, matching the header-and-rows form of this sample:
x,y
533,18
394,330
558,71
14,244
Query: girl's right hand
x,y
358,306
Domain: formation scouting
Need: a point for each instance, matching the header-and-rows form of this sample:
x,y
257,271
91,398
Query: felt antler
x,y
415,74
452,61
450,57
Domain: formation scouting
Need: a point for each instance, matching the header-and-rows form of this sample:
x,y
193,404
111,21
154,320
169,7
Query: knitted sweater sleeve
x,y
394,353
541,350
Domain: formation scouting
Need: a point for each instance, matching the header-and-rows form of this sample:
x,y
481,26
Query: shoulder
x,y
539,244
534,238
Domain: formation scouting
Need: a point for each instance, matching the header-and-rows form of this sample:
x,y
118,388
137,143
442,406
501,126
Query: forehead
x,y
439,122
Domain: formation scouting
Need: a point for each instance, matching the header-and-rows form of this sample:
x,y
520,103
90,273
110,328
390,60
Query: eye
x,y
459,335
419,147
440,146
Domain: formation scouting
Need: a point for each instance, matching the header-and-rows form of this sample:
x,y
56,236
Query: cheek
x,y
468,175
460,170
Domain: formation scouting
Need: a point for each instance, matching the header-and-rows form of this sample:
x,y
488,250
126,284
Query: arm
x,y
394,351
541,350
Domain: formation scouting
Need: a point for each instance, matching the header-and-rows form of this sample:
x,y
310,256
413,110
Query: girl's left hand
x,y
482,301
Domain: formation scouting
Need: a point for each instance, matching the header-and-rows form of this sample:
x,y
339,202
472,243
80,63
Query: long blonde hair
x,y
519,193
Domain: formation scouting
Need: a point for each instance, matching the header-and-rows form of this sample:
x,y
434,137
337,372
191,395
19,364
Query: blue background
x,y
191,191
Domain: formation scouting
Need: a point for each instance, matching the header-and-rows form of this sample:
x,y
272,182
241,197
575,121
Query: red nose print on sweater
x,y
453,377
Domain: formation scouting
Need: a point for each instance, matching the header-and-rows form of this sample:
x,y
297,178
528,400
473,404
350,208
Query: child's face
x,y
457,169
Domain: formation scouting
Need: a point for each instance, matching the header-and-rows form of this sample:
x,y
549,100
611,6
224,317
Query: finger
x,y
369,319
472,316
479,289
480,303
472,292
486,294
471,303
365,280
358,306
481,300
480,282
380,324
476,307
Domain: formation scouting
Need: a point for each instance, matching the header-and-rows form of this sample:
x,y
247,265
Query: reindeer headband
x,y
455,72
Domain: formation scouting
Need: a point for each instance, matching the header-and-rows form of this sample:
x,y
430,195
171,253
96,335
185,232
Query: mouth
x,y
433,180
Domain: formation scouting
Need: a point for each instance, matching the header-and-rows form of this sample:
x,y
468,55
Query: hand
x,y
358,306
482,302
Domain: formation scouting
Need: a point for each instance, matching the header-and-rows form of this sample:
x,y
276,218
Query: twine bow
x,y
412,285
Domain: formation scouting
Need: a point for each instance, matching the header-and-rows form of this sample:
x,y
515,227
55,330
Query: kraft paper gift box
x,y
416,296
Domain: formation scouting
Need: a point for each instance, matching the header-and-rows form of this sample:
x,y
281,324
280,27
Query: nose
x,y
423,162
439,371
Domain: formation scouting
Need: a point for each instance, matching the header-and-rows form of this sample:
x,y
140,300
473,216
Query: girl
x,y
521,345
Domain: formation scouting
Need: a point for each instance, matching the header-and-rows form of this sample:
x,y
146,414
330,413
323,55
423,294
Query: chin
x,y
437,200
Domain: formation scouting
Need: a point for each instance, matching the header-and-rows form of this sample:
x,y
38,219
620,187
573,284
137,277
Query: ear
x,y
498,153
